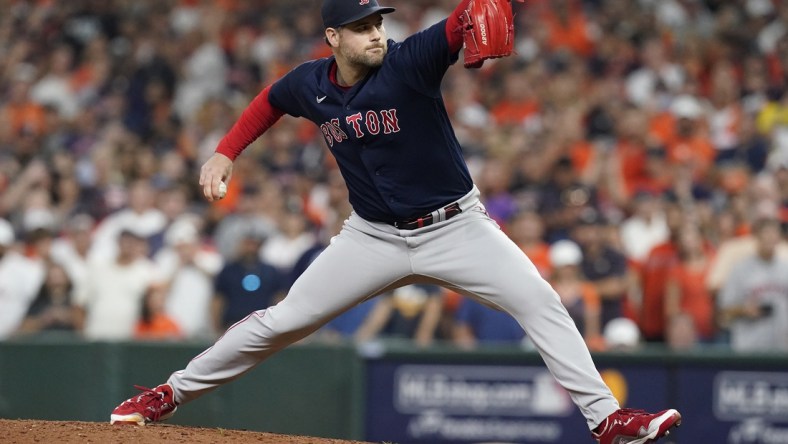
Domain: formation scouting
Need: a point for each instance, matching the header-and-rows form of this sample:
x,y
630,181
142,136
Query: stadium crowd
x,y
637,151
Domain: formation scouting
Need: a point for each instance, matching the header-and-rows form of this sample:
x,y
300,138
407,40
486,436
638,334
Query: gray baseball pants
x,y
467,253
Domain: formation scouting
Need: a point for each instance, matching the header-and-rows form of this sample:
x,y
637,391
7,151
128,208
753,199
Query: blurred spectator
x,y
34,177
283,248
112,295
656,78
696,199
752,148
38,247
622,334
187,269
518,102
247,215
726,113
770,34
476,324
173,202
526,229
603,266
685,291
651,278
772,117
753,303
779,167
204,66
494,181
22,114
633,163
563,200
70,250
20,280
687,143
154,324
36,211
54,88
463,97
52,309
140,213
645,228
681,334
412,311
735,250
567,28
328,204
246,283
579,296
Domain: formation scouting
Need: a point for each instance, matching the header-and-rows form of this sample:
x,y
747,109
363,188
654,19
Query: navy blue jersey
x,y
389,132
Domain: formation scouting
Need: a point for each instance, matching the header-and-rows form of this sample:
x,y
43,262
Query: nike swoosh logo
x,y
320,99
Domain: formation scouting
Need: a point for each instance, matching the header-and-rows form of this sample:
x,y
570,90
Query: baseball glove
x,y
488,31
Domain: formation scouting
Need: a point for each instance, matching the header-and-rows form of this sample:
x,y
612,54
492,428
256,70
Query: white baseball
x,y
222,190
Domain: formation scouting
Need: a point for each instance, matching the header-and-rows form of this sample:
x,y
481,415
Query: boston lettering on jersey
x,y
389,132
370,123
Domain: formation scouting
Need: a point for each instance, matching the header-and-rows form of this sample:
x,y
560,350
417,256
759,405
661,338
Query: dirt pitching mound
x,y
45,432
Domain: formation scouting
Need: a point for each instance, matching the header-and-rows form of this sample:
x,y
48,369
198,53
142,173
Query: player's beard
x,y
366,57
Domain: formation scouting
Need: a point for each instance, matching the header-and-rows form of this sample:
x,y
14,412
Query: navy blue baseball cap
x,y
341,12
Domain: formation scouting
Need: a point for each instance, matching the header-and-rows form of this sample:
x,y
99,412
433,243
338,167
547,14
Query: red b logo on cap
x,y
363,2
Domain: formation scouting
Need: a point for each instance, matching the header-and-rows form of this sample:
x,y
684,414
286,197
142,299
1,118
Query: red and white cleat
x,y
152,405
628,426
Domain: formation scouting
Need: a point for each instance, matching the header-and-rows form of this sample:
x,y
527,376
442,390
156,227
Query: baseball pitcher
x,y
417,215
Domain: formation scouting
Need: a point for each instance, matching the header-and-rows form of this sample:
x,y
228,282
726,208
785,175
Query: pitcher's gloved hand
x,y
488,31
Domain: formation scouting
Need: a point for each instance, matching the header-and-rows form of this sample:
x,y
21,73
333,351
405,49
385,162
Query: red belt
x,y
440,215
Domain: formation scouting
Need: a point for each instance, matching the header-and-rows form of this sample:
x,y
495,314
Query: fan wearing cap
x,y
578,295
689,146
188,268
417,216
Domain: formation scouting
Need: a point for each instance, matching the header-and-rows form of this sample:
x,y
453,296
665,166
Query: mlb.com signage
x,y
734,400
491,390
423,403
477,402
756,403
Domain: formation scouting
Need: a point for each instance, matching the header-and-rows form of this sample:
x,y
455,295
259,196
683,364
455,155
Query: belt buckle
x,y
428,219
452,210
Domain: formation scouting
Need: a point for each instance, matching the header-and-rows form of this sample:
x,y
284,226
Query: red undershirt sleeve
x,y
454,27
254,121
